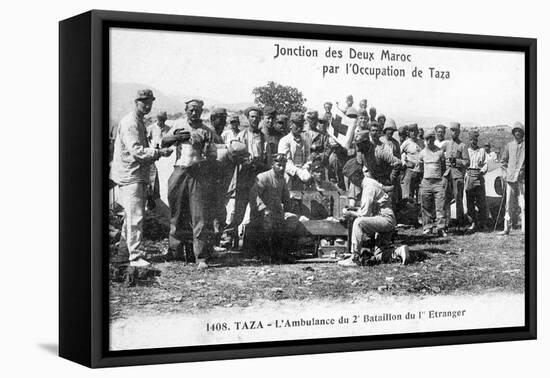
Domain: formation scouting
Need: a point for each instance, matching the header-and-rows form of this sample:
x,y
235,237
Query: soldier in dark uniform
x,y
318,139
218,120
270,228
190,193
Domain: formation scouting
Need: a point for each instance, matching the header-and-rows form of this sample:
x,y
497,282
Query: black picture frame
x,y
83,153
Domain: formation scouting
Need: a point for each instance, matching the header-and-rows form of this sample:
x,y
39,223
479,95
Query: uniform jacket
x,y
132,156
513,161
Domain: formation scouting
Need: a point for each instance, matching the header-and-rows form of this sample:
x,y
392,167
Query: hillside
x,y
122,100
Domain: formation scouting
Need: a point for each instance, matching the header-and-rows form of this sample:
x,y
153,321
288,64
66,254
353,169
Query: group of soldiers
x,y
225,177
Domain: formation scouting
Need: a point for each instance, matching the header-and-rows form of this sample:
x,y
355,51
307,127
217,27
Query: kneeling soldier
x,y
374,220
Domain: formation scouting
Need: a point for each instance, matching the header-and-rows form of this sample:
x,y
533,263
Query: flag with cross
x,y
342,129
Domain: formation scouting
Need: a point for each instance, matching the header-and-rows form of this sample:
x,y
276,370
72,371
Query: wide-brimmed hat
x,y
518,126
390,125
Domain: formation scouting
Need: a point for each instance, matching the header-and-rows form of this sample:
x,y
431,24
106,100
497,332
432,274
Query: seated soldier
x,y
374,222
317,181
269,228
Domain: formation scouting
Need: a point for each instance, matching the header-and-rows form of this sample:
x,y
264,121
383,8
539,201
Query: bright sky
x,y
485,87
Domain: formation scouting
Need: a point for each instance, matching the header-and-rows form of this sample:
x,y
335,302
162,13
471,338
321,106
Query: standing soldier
x,y
155,133
363,105
268,128
474,184
362,121
441,142
513,169
296,149
372,113
157,130
349,106
132,159
235,182
410,149
388,139
381,120
440,137
218,120
458,161
317,138
432,187
393,146
233,132
328,109
191,186
403,134
254,139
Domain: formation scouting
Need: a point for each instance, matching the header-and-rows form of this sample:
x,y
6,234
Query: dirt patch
x,y
459,264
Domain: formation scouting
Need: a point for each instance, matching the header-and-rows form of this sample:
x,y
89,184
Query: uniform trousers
x,y
515,196
410,183
192,204
365,228
457,188
432,195
132,199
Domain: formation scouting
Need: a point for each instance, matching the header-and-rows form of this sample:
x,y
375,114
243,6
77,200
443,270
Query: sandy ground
x,y
286,320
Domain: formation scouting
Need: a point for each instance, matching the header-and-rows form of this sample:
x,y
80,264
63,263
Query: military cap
x,y
363,101
474,134
328,103
352,167
269,110
145,94
380,117
234,118
349,97
413,126
252,108
237,148
162,115
351,112
403,129
316,165
454,125
487,144
518,126
297,117
390,125
429,134
219,111
282,118
312,114
440,126
279,158
194,101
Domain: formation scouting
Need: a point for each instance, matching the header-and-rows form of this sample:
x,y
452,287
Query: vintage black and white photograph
x,y
274,189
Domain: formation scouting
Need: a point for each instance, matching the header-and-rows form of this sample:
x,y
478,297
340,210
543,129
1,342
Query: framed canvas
x,y
235,188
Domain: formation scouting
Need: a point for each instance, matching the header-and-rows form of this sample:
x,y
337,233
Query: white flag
x,y
342,128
